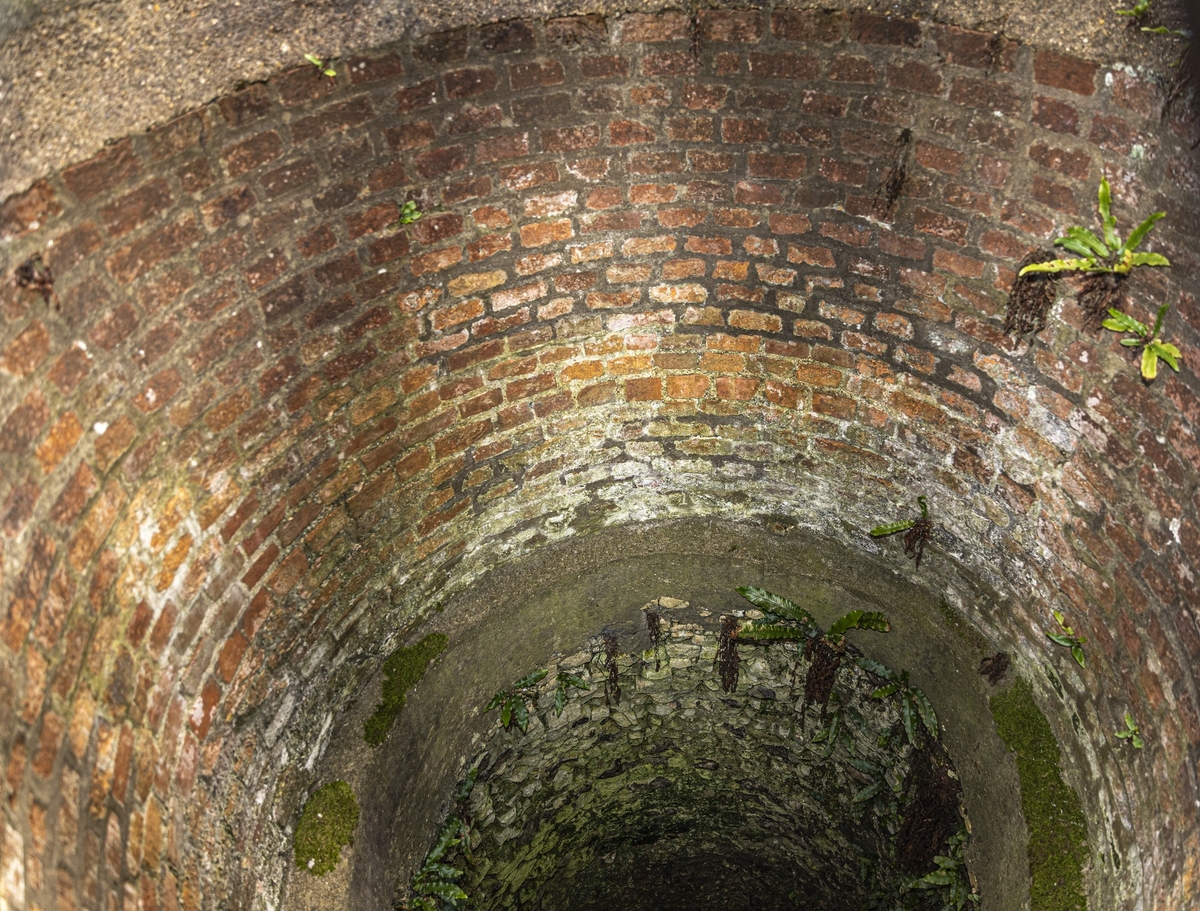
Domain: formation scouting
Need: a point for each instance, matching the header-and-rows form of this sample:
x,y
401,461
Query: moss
x,y
403,668
1057,832
326,823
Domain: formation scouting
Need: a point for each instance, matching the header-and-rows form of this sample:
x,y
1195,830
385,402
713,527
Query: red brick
x,y
290,177
573,31
1055,115
813,256
103,173
834,406
874,29
854,235
731,26
443,47
523,177
440,162
26,351
986,95
929,222
507,37
938,158
850,68
136,208
896,245
435,261
434,229
913,76
784,66
638,28
570,139
1075,164
655,163
531,75
469,82
143,255
1062,72
965,266
251,153
688,386
1054,195
502,148
827,26
26,212
608,66
844,172
981,50
420,95
1113,133
542,233
114,327
243,107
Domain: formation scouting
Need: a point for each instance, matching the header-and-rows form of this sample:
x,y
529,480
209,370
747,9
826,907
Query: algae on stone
x,y
326,823
401,671
1057,832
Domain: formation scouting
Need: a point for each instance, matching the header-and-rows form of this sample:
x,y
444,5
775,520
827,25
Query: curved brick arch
x,y
267,425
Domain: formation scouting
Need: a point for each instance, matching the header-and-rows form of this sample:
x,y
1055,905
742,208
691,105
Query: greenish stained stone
x,y
402,669
1057,830
608,803
326,823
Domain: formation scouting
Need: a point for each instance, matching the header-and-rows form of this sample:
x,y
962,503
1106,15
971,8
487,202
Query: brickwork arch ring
x,y
749,268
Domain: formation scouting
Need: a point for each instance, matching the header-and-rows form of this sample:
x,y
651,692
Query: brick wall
x,y
263,426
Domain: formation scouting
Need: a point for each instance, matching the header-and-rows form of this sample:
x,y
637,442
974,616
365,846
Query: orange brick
x,y
641,390
752,319
816,375
737,388
547,232
687,387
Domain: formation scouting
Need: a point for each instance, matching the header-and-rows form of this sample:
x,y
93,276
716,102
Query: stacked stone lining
x,y
690,786
262,425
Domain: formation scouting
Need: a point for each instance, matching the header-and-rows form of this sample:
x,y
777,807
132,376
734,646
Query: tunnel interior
x,y
695,299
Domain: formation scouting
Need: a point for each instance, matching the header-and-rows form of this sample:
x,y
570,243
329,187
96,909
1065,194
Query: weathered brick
x,y
1055,115
828,26
245,106
928,221
874,29
1063,72
573,31
541,233
290,177
25,212
103,173
852,68
334,118
784,66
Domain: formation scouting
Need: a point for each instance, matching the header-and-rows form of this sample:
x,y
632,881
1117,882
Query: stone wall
x,y
260,428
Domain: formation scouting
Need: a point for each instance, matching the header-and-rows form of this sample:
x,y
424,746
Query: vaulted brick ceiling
x,y
258,427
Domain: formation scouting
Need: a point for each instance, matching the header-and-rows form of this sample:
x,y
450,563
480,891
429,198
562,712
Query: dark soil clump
x,y
931,816
892,182
654,625
612,685
727,659
818,683
36,275
995,667
916,538
1031,297
1097,293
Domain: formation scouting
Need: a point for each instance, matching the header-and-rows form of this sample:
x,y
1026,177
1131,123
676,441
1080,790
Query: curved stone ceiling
x,y
258,431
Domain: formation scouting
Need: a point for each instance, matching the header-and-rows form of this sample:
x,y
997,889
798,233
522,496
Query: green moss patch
x,y
326,823
403,668
1057,832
